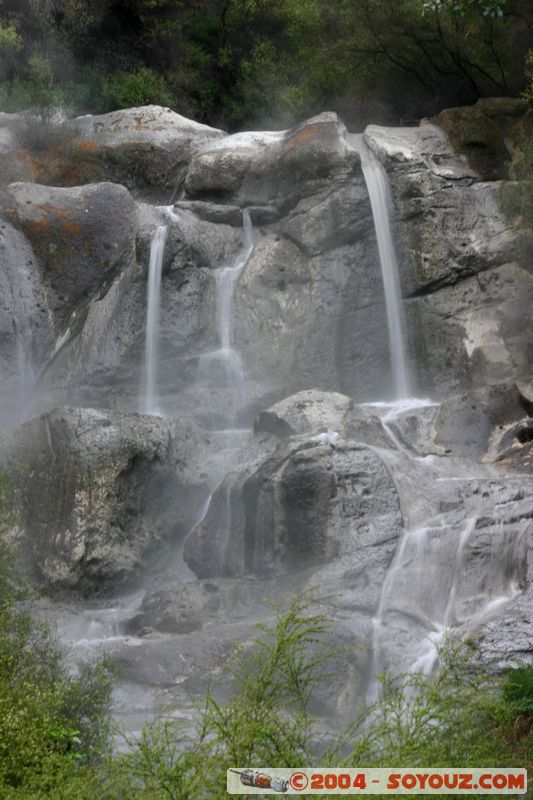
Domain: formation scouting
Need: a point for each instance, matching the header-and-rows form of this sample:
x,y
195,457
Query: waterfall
x,y
223,367
155,270
379,193
226,279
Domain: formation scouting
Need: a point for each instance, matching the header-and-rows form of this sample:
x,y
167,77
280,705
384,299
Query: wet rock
x,y
472,333
103,493
181,609
26,324
326,414
310,411
341,216
492,422
449,227
304,504
147,149
82,238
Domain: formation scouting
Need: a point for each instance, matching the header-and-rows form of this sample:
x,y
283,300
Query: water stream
x,y
223,367
380,200
149,403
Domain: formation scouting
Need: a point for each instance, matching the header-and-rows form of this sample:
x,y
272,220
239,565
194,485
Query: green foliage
x,y
517,689
10,40
140,87
528,93
267,721
235,63
51,722
44,95
487,8
461,716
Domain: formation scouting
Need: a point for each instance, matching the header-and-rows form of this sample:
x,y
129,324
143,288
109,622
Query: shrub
x,y
517,689
141,87
461,716
52,723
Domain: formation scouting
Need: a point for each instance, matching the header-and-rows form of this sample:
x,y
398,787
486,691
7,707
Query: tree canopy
x,y
238,63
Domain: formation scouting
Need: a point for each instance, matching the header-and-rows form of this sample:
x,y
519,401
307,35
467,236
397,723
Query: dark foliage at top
x,y
240,63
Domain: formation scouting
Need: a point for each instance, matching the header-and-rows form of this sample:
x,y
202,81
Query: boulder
x,y
275,169
180,609
146,149
82,238
493,422
103,494
480,132
309,411
305,504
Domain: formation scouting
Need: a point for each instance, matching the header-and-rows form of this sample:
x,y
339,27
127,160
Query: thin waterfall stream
x,y
223,367
149,404
380,200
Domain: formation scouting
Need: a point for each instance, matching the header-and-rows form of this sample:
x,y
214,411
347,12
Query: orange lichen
x,y
57,212
305,135
87,145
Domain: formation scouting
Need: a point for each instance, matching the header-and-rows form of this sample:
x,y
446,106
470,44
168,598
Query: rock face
x,y
482,133
306,503
103,494
26,323
82,238
146,149
465,264
414,515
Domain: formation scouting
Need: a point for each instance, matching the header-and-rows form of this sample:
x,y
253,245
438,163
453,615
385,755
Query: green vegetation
x,y
238,63
54,727
460,717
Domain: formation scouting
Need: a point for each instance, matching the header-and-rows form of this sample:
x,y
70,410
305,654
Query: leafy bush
x,y
267,721
462,716
517,689
141,87
52,723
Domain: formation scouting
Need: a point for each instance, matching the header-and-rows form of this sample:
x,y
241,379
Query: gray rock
x,y
448,227
493,423
473,333
103,494
82,238
181,609
26,324
310,411
277,169
305,504
147,148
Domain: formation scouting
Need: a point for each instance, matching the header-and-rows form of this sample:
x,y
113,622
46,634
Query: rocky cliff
x,y
413,518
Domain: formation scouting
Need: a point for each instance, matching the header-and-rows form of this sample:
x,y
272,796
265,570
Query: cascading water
x,y
149,403
379,193
224,367
430,588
